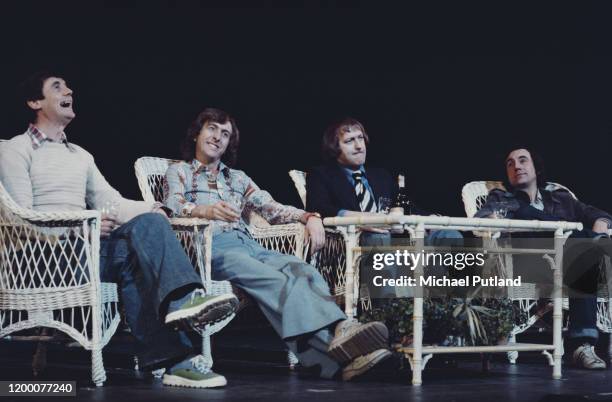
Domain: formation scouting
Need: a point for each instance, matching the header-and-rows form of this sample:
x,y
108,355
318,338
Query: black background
x,y
442,90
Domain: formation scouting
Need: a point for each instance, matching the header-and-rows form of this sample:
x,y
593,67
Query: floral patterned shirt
x,y
190,184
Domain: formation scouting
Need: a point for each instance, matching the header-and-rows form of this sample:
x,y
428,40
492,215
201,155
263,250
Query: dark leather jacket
x,y
559,204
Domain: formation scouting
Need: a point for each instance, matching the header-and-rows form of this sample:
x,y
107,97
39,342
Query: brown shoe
x,y
353,339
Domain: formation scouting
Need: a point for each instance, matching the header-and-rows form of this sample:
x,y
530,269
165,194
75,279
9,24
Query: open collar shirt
x,y
191,184
39,138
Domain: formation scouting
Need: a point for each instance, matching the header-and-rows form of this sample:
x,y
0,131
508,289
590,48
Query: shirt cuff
x,y
158,206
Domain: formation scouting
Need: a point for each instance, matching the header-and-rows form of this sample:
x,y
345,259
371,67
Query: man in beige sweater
x,y
41,170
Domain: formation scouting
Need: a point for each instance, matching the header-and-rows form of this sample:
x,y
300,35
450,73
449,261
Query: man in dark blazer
x,y
344,187
331,192
331,188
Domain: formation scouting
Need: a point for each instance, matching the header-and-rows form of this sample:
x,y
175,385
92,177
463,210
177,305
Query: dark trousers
x,y
582,258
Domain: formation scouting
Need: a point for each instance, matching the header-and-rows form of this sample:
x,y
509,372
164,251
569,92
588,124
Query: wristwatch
x,y
311,214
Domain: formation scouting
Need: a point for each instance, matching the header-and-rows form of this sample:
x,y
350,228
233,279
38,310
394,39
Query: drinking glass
x,y
384,205
404,202
110,209
235,199
500,213
501,210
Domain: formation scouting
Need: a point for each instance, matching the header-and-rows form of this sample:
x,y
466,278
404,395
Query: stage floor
x,y
253,360
444,380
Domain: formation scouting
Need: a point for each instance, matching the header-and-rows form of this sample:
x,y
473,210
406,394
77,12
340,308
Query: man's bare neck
x,y
212,166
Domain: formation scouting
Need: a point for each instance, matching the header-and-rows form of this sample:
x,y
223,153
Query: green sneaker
x,y
198,309
193,373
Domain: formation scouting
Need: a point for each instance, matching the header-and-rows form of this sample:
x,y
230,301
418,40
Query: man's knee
x,y
148,226
374,239
151,220
444,238
308,270
232,259
447,234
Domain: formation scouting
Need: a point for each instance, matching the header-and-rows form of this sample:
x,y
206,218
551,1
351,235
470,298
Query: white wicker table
x,y
416,226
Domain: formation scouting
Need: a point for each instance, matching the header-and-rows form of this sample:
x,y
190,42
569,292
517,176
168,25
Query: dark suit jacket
x,y
328,190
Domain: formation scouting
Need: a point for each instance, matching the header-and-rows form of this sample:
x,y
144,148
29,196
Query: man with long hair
x,y
527,196
292,295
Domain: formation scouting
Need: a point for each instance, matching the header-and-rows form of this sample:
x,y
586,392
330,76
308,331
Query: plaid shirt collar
x,y
38,138
199,167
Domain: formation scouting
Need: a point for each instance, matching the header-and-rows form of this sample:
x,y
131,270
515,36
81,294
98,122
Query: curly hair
x,y
330,146
188,146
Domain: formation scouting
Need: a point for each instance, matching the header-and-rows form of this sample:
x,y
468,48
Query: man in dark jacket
x,y
528,197
344,187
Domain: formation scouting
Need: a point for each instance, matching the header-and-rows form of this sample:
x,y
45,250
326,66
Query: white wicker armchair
x,y
474,195
331,259
49,277
286,239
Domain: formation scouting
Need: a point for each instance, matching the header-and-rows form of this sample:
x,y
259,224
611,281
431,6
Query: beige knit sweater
x,y
52,177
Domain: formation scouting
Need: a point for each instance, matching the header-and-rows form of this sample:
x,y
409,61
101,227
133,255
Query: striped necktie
x,y
364,197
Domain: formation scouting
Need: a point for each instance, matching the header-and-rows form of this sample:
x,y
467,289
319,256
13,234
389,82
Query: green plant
x,y
479,321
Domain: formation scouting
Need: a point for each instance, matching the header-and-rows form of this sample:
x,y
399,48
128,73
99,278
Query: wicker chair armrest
x,y
278,230
75,233
285,238
56,218
188,223
50,226
196,238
